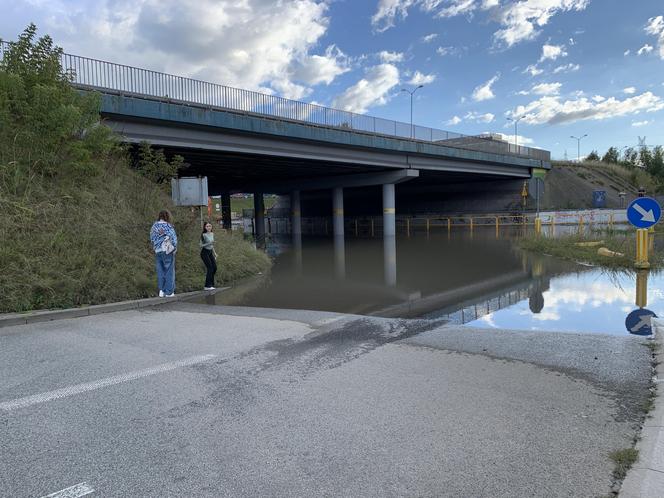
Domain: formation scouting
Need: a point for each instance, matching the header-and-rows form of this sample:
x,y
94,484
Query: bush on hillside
x,y
75,215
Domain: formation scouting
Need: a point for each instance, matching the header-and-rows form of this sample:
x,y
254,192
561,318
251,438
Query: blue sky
x,y
571,67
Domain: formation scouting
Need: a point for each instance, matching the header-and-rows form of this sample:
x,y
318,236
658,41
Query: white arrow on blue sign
x,y
639,322
643,212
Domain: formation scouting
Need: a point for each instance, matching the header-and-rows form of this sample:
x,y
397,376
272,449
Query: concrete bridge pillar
x,y
339,257
296,229
390,259
259,217
338,211
296,214
389,211
226,211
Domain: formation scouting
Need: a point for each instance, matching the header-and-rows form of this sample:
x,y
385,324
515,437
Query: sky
x,y
564,67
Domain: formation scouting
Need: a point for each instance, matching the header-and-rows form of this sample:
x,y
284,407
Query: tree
x,y
593,156
46,126
656,167
630,157
612,156
153,164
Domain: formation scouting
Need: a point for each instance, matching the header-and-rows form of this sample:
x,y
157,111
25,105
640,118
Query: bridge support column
x,y
296,229
259,217
226,211
338,211
339,256
389,211
296,215
390,259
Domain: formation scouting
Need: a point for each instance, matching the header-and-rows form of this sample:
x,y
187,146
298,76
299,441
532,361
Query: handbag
x,y
167,246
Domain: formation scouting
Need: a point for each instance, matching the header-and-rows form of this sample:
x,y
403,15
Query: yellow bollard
x,y
642,288
471,223
611,220
580,223
642,249
449,225
497,223
538,226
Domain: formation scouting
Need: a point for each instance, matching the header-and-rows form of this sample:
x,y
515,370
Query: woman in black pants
x,y
208,255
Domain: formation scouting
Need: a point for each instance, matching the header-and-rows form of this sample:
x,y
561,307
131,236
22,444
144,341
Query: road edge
x,y
646,477
12,319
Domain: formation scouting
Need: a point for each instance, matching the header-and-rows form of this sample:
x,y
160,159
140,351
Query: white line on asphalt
x,y
98,384
76,491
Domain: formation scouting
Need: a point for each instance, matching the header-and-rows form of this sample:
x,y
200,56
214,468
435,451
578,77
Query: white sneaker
x,y
170,295
208,288
161,293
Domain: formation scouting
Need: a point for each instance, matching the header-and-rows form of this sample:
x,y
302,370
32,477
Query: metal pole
x,y
411,115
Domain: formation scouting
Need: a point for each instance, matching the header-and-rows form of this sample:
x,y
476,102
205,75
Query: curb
x,y
12,319
646,478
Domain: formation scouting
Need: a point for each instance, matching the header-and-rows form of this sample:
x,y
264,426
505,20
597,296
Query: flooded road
x,y
480,278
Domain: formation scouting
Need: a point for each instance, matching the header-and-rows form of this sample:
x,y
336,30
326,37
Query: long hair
x,y
165,215
204,231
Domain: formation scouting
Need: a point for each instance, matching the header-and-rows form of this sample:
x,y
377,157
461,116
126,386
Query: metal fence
x,y
109,77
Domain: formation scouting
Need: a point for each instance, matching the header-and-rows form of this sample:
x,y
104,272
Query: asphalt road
x,y
203,401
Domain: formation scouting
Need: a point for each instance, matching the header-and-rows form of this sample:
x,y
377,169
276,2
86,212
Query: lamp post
x,y
411,106
516,136
578,145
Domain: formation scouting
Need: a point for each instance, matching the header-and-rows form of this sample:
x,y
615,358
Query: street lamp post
x,y
578,145
516,136
411,106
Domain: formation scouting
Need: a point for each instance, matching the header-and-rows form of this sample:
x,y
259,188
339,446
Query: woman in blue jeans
x,y
165,244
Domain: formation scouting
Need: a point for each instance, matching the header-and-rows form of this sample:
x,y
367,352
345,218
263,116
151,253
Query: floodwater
x,y
481,279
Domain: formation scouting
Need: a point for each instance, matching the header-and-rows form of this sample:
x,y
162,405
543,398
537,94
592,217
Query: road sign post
x,y
643,213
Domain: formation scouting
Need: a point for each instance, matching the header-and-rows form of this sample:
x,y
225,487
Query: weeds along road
x,y
190,400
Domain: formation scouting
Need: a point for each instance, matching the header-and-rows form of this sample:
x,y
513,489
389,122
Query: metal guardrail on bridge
x,y
110,77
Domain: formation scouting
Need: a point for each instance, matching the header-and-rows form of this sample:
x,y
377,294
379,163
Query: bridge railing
x,y
88,73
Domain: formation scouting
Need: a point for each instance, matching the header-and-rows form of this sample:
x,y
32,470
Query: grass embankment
x,y
76,208
569,248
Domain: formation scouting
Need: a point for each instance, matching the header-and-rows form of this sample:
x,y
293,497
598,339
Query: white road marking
x,y
98,384
81,489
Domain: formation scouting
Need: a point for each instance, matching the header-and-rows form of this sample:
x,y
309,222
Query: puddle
x,y
480,279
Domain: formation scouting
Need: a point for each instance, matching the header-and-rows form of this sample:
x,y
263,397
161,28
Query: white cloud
x,y
421,79
316,69
444,51
480,118
655,27
630,90
567,68
519,20
454,121
637,124
627,52
254,44
371,90
521,140
533,70
552,52
547,89
646,49
485,92
389,57
429,38
599,98
551,110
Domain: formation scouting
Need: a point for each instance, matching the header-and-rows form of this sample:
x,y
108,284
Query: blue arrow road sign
x,y
638,322
643,212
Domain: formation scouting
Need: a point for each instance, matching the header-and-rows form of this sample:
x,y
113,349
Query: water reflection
x,y
483,281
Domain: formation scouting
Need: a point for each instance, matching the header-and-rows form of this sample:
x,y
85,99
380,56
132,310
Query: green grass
x,y
623,460
66,244
238,204
566,248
